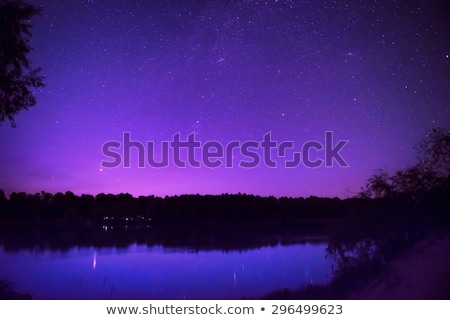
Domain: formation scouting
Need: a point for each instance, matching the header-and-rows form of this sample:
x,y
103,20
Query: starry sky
x,y
376,73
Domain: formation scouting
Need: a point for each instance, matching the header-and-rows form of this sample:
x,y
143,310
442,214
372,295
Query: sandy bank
x,y
422,272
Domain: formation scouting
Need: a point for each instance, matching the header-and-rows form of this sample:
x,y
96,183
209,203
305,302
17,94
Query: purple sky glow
x,y
376,73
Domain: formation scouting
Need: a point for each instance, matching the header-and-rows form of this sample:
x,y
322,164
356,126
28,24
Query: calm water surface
x,y
142,272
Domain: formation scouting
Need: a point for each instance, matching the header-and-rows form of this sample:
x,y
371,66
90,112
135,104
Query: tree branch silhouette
x,y
17,76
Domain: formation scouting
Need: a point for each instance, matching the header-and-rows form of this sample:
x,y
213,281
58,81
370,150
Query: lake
x,y
139,271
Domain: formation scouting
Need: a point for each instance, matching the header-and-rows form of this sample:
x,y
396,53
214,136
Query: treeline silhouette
x,y
235,209
226,210
225,221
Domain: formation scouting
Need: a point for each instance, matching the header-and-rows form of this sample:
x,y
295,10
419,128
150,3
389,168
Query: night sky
x,y
376,73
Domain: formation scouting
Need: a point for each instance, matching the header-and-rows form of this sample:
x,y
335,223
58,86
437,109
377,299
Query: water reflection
x,y
158,272
94,263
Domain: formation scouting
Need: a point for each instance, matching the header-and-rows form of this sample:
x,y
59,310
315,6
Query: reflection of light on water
x,y
308,276
94,263
127,271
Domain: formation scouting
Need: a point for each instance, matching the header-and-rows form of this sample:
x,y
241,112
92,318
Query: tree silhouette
x,y
434,152
377,186
431,172
17,76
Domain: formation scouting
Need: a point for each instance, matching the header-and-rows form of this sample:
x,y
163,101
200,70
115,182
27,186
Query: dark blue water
x,y
141,272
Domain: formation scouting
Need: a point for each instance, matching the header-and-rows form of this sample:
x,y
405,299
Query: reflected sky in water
x,y
141,272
